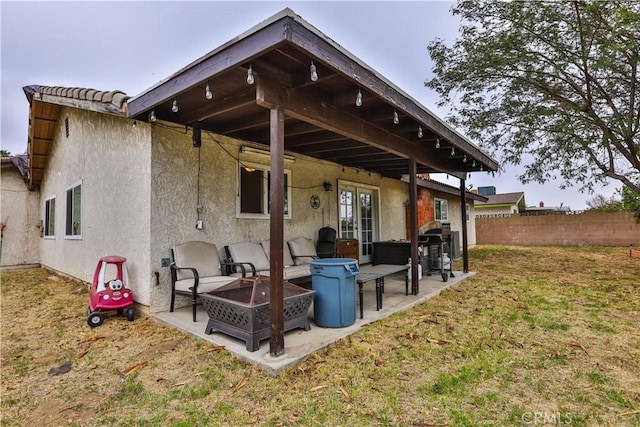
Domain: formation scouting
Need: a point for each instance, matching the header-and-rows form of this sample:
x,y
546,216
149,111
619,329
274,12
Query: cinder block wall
x,y
587,228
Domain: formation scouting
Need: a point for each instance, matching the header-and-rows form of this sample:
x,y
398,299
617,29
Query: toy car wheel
x,y
130,314
445,277
95,319
120,311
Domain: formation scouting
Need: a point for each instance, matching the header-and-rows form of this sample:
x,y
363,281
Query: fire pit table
x,y
241,309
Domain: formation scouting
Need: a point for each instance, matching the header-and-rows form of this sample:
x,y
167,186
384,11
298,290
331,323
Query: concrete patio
x,y
299,343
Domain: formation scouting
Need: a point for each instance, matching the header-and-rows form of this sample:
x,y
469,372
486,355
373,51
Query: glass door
x,y
359,217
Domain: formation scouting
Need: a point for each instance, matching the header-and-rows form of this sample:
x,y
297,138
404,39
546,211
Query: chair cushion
x,y
205,284
202,256
249,252
297,271
286,255
302,250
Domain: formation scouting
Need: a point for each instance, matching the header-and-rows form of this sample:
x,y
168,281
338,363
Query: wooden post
x,y
276,201
463,209
413,227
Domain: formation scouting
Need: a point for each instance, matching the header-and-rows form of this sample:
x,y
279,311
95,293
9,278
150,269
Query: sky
x,y
131,46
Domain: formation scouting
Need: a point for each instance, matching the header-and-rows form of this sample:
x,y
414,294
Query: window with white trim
x,y
73,216
468,212
50,217
441,208
253,191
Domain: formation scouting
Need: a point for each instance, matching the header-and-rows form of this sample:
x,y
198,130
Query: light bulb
x,y
359,98
207,92
481,168
152,116
464,159
453,151
314,72
250,79
396,119
473,165
438,143
419,131
174,107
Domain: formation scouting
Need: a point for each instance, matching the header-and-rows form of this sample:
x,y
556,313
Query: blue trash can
x,y
334,280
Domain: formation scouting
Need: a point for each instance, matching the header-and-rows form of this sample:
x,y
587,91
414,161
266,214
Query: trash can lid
x,y
325,262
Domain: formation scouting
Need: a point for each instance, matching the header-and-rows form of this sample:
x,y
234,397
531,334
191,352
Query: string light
x,y
481,168
420,131
396,118
314,72
207,92
174,106
437,142
359,98
473,164
152,116
250,79
464,159
453,151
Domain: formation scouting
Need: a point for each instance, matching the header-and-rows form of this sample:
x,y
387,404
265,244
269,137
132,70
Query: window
x,y
468,212
253,197
73,228
441,208
50,217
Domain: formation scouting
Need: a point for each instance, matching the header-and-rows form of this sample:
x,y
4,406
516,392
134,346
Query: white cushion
x,y
245,252
297,271
302,250
205,284
286,255
202,256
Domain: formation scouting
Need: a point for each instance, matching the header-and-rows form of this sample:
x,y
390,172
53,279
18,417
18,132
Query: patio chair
x,y
196,269
326,244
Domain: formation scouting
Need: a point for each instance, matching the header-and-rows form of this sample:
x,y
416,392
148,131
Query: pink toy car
x,y
111,294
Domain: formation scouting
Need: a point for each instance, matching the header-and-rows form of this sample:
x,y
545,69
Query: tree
x,y
5,153
551,85
604,203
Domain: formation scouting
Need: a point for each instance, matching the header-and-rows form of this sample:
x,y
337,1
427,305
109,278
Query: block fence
x,y
578,228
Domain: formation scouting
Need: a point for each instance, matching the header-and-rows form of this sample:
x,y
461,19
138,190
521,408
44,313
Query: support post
x,y
276,230
463,212
413,227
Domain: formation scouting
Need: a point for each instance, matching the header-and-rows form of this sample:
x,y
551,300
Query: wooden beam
x,y
413,226
465,244
222,106
276,232
327,116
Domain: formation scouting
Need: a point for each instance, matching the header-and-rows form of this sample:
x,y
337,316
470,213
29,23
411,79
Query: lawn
x,y
539,336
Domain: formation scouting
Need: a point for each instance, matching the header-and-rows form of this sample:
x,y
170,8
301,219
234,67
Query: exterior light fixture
x,y
464,159
396,119
453,151
152,116
314,72
207,92
174,106
481,168
420,131
437,142
250,79
473,165
359,99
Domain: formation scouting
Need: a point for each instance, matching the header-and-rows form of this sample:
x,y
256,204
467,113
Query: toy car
x,y
110,294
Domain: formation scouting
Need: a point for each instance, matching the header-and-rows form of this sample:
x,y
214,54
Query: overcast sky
x,y
130,46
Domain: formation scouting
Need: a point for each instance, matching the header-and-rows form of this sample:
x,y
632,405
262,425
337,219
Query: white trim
x,y
436,211
264,168
66,193
45,225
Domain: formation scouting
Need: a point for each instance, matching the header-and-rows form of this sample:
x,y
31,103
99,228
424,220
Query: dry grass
x,y
540,336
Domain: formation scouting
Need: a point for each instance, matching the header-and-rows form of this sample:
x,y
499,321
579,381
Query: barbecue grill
x,y
435,240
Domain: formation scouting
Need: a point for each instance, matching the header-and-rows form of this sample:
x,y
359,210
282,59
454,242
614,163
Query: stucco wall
x,y
112,159
174,177
19,208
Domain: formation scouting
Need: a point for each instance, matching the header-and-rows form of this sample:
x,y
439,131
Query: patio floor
x,y
300,343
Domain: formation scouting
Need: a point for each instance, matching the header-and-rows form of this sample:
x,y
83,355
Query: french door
x,y
359,216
